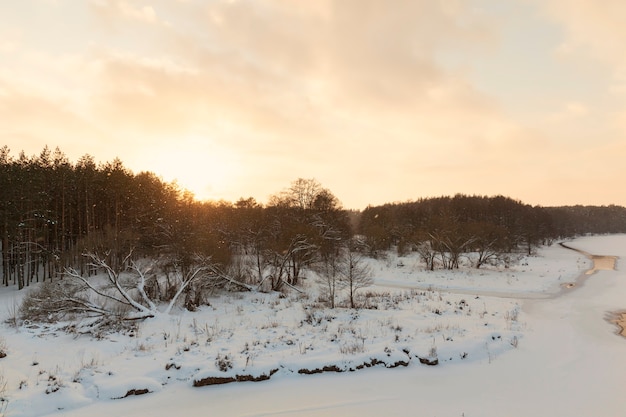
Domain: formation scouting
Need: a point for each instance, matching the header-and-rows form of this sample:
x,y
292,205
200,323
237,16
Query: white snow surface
x,y
510,342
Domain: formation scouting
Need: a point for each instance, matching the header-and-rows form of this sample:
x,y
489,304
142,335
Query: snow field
x,y
409,314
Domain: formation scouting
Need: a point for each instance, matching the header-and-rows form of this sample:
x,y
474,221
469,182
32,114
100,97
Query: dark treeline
x,y
53,211
578,220
444,228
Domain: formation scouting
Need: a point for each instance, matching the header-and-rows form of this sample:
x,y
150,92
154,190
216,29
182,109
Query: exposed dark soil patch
x,y
331,368
371,363
133,392
220,380
429,361
137,392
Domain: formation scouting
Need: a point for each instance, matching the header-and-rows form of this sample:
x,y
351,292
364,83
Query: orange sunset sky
x,y
379,100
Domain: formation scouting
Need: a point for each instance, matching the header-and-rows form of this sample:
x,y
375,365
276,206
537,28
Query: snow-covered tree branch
x,y
127,293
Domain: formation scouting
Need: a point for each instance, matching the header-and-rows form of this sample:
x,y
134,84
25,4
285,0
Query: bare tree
x,y
344,268
285,264
330,270
450,245
356,274
489,242
427,254
305,194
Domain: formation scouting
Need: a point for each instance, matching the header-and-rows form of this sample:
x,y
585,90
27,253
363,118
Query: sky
x,y
378,100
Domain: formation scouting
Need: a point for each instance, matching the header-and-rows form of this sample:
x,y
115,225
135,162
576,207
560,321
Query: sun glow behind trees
x,y
197,164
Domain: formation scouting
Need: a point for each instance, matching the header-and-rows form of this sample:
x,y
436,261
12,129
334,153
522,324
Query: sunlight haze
x,y
378,100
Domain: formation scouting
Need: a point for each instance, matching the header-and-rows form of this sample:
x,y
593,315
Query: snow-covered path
x,y
570,363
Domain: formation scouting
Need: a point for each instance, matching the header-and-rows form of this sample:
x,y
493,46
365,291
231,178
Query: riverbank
x,y
603,263
618,319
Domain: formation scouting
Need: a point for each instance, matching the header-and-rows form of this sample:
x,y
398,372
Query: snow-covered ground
x,y
510,342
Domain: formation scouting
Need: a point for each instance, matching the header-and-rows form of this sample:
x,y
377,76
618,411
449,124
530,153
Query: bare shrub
x,y
512,315
312,316
223,362
352,348
13,314
433,351
54,384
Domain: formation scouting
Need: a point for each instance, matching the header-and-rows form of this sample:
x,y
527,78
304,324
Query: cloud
x,y
7,46
357,93
571,111
593,30
306,88
36,122
112,9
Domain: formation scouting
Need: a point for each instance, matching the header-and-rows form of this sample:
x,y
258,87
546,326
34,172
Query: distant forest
x,y
54,211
